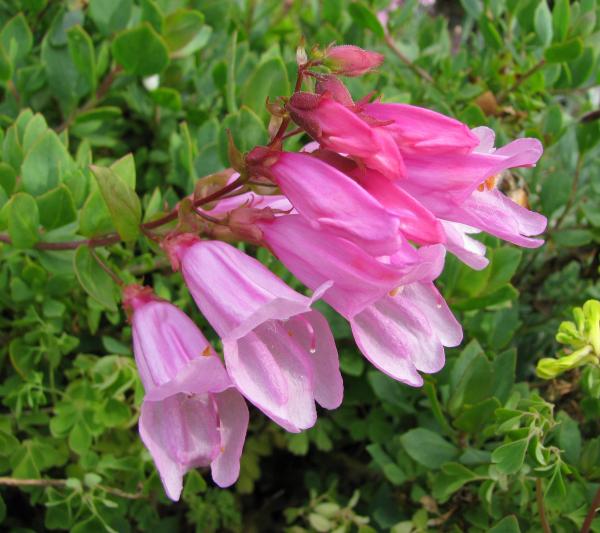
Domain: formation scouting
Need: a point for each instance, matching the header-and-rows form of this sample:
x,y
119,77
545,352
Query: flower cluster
x,y
363,216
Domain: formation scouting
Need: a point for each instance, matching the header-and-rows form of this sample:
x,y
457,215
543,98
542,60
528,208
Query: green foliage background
x,y
472,449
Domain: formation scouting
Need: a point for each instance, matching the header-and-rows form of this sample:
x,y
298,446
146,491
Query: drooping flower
x,y
350,60
399,320
191,416
338,128
331,200
279,353
420,130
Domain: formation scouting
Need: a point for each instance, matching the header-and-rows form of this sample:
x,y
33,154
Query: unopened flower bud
x,y
349,60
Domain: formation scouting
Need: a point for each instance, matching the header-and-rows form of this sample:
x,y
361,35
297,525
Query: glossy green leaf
x,y
141,50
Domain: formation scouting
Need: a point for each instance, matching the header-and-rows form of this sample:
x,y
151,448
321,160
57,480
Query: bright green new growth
x,y
582,338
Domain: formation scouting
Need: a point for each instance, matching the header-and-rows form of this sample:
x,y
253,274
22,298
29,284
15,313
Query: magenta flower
x,y
338,128
191,415
349,60
279,353
417,223
332,201
419,130
399,320
480,205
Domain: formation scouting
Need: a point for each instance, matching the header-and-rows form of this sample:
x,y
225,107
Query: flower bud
x,y
349,60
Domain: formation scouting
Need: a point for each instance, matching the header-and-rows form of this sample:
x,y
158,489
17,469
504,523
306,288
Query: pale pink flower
x,y
191,415
399,320
350,60
279,353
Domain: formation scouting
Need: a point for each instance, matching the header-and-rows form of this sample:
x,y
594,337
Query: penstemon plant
x,y
159,328
363,215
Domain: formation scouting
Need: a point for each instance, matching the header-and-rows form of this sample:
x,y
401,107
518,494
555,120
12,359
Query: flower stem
x,y
587,524
14,482
539,496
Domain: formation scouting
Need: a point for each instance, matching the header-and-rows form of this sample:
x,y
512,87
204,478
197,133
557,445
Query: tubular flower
x,y
332,201
338,128
399,320
279,353
191,416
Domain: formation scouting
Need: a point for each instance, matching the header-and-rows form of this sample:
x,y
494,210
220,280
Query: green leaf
x,y
542,22
556,491
35,128
428,448
6,70
23,220
56,207
110,15
583,66
8,177
561,16
270,80
122,202
247,130
564,52
82,53
94,217
181,27
114,413
125,169
97,283
16,38
490,33
508,524
167,98
365,18
452,477
80,438
510,457
476,417
45,164
141,51
151,13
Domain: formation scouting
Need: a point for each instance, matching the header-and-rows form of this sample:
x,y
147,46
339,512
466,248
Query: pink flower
x,y
349,60
318,258
191,415
279,353
332,201
479,205
417,223
340,129
399,320
417,130
405,332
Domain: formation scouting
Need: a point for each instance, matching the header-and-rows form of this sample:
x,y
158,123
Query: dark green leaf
x,y
563,52
428,448
141,51
510,457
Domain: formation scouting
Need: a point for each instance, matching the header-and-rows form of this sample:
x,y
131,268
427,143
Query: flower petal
x,y
233,416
